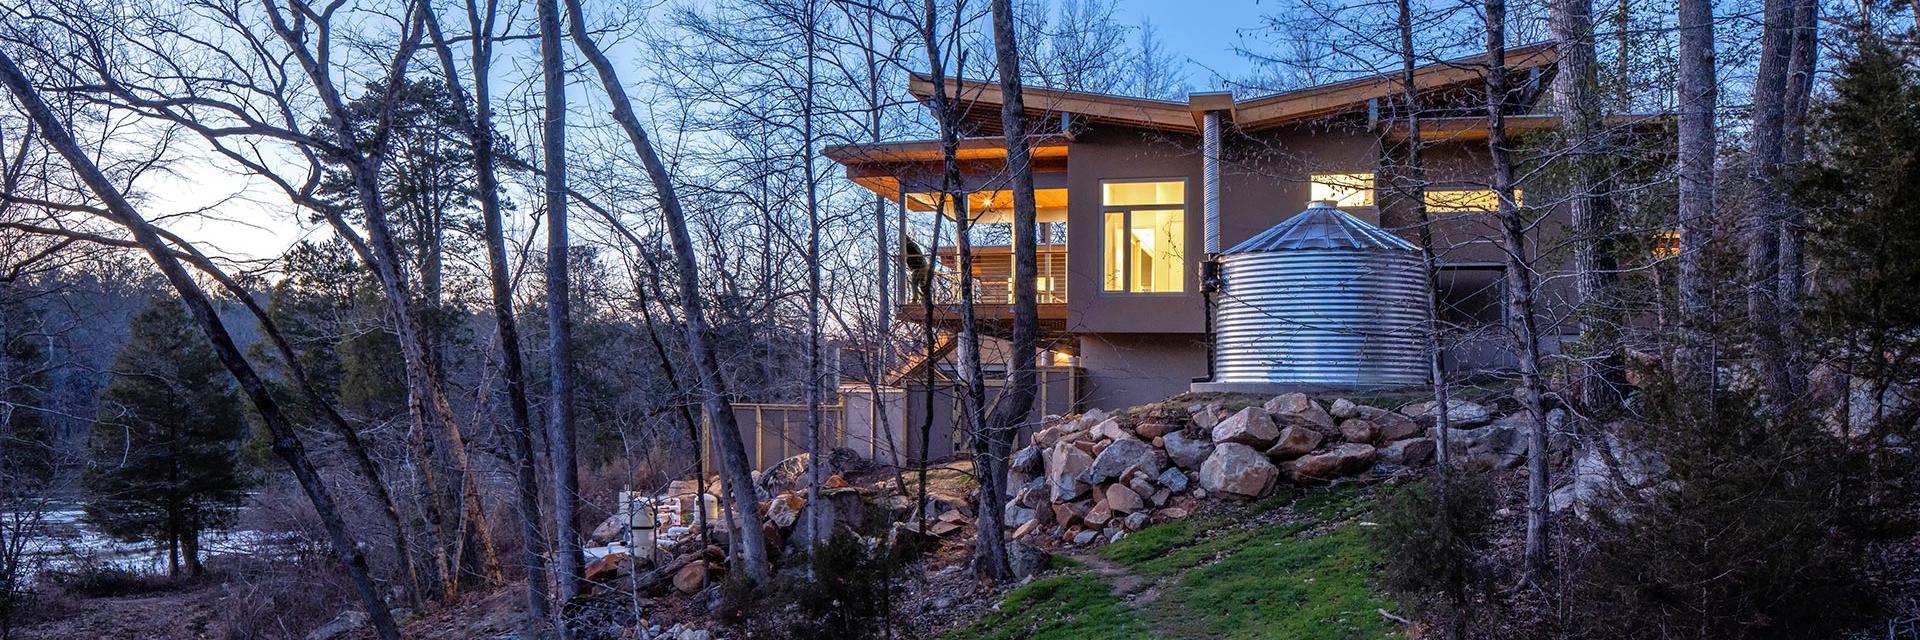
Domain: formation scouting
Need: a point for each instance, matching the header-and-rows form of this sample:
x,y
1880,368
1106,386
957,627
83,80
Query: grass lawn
x,y
1219,579
1068,606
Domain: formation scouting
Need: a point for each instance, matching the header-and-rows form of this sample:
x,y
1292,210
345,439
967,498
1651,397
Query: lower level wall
x,y
1128,369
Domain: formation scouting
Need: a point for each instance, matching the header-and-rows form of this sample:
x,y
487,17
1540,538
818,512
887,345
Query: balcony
x,y
992,287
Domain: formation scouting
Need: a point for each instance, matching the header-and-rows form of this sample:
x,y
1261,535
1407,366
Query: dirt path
x,y
1139,593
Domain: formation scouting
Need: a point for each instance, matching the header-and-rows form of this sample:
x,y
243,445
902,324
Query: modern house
x,y
1128,223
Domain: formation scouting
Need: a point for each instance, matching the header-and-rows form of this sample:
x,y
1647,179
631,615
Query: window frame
x,y
1126,222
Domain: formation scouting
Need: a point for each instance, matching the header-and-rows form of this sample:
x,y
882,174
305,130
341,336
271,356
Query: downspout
x,y
1210,209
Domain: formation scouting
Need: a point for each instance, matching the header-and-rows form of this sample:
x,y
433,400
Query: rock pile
x,y
1096,477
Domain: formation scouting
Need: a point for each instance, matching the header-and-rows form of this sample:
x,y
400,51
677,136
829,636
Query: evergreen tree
x,y
1862,196
167,444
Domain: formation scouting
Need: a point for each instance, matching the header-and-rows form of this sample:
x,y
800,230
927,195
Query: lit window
x,y
1145,234
1466,200
1666,243
1345,190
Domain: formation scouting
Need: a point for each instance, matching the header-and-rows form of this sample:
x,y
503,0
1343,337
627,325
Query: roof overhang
x,y
878,166
1252,114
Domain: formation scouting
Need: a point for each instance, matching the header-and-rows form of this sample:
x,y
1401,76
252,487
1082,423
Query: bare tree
x,y
1520,285
560,435
1584,145
1698,96
1016,398
478,123
1767,211
725,428
286,441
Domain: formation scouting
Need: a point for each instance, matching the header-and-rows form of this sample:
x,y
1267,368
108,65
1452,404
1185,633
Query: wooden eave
x,y
1147,113
1252,114
878,166
1323,100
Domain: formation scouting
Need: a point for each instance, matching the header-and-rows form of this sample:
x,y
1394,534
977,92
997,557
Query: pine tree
x,y
1862,197
167,444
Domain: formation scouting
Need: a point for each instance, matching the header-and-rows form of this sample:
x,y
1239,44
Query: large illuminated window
x,y
1466,200
1145,236
1345,190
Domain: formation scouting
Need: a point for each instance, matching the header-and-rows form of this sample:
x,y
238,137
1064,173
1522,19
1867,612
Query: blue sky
x,y
1202,31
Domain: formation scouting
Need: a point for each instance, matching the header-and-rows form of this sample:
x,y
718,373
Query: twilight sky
x,y
244,217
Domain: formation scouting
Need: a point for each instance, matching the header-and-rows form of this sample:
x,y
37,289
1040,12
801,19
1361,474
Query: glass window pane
x,y
1121,194
1466,200
1344,189
1116,251
1157,251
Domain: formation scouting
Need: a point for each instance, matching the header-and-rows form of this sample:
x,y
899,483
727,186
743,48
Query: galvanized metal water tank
x,y
1322,300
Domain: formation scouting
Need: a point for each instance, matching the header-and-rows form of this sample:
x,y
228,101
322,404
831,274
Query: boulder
x,y
1028,460
1122,499
1067,467
1251,427
1064,514
609,529
1017,516
1135,521
347,622
1391,426
1461,414
1157,427
1142,484
1099,514
1237,469
1160,497
1085,538
843,511
791,474
1294,442
1297,408
1110,429
1410,452
690,578
1185,451
679,488
1027,560
1358,430
1120,456
1173,480
607,569
1206,415
1608,469
1173,513
1343,408
1343,459
785,509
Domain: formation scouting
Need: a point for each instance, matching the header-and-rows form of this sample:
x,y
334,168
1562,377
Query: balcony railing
x,y
992,277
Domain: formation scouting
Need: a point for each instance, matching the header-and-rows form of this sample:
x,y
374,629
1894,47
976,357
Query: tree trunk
x,y
1520,305
1801,65
479,128
1767,210
560,436
286,440
1016,398
1698,95
1585,149
725,429
1414,179
818,528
